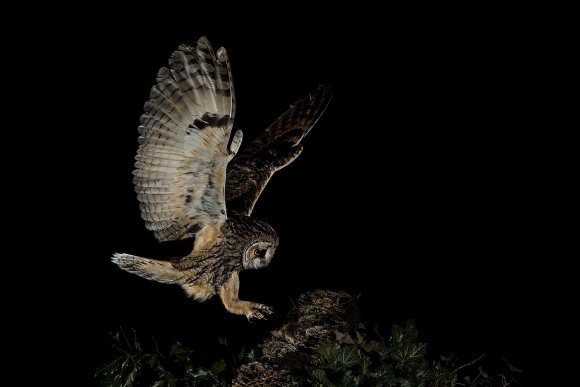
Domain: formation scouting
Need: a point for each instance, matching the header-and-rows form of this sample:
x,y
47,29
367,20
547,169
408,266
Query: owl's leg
x,y
229,296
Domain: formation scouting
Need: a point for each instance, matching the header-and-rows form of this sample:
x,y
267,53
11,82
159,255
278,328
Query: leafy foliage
x,y
398,362
322,343
135,366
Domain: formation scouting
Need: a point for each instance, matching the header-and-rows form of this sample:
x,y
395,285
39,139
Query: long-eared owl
x,y
192,182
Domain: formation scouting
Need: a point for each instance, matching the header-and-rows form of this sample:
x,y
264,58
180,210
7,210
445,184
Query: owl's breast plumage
x,y
213,271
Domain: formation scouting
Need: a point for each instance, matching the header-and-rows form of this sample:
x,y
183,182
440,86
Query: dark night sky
x,y
412,190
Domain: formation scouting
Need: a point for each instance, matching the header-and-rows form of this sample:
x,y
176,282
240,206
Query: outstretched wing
x,y
276,147
184,134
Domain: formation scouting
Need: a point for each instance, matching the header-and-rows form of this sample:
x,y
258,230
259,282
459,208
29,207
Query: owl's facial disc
x,y
258,255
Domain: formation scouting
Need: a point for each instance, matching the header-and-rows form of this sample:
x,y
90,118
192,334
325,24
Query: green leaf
x,y
365,363
343,358
180,352
359,338
404,382
376,331
371,346
343,338
320,375
218,367
384,373
111,368
411,331
166,380
349,380
124,369
440,374
136,341
126,341
325,349
397,334
483,373
412,355
200,373
131,377
152,360
511,367
383,351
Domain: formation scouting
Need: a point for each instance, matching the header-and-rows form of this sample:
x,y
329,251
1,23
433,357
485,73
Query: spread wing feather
x,y
279,145
181,163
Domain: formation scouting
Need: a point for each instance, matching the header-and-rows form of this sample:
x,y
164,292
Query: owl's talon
x,y
260,312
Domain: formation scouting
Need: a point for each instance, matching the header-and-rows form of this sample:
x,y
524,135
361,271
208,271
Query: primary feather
x,y
183,153
279,145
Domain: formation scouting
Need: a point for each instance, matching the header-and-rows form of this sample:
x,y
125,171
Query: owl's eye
x,y
260,253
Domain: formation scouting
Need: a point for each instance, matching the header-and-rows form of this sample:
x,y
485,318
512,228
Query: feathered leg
x,y
229,296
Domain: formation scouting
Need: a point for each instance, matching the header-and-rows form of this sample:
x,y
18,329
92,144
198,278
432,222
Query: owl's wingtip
x,y
323,93
327,89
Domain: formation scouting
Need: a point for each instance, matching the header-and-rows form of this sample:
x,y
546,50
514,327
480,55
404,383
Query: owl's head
x,y
257,240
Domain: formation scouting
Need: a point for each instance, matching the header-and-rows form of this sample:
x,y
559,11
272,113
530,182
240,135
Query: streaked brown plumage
x,y
188,171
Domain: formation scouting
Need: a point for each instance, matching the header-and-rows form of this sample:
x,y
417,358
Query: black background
x,y
414,189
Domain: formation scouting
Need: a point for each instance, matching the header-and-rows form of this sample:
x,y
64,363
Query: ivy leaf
x,y
325,349
412,355
349,380
411,331
152,360
360,339
384,373
179,352
111,368
404,382
482,373
320,375
365,363
124,368
343,338
131,377
166,380
397,334
376,331
200,373
218,367
371,346
343,358
136,342
383,351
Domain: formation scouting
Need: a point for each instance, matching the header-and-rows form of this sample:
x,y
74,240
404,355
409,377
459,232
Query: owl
x,y
192,182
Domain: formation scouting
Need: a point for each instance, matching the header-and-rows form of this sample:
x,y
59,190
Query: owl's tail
x,y
151,269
